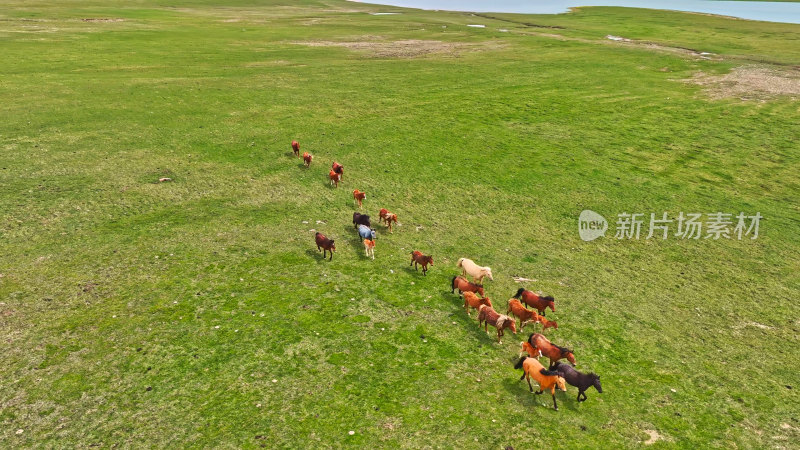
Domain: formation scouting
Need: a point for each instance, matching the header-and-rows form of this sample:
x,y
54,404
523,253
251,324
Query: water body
x,y
788,12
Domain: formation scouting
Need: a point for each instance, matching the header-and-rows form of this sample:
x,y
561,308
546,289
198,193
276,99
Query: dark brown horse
x,y
550,350
464,285
296,148
534,300
361,219
422,260
582,381
325,244
488,316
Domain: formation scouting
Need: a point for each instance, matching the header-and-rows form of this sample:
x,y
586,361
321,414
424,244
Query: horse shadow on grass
x,y
471,322
357,244
530,400
315,254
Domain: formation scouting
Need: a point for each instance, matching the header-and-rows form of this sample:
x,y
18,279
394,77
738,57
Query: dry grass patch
x,y
750,83
409,48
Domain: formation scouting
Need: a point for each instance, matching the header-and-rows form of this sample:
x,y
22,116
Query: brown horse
x,y
335,178
473,301
547,379
536,301
550,350
296,148
487,315
422,260
358,197
307,159
464,285
524,315
325,244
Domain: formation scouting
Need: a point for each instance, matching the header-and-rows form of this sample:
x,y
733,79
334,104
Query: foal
x,y
389,218
524,315
307,159
325,244
358,197
464,285
582,381
296,148
422,260
369,248
335,178
487,315
547,323
547,379
472,301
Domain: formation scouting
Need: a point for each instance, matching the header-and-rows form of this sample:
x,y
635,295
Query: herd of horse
x,y
526,306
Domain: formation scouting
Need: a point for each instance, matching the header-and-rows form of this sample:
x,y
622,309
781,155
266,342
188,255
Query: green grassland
x,y
199,313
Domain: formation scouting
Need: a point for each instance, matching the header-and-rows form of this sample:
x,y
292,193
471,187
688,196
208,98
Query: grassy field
x,y
199,313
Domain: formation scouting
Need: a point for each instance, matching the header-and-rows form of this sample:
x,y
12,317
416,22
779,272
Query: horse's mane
x,y
564,350
549,298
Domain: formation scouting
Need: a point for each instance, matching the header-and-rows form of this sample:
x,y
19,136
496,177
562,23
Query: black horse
x,y
361,219
582,381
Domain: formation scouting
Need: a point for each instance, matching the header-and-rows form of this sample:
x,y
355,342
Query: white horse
x,y
477,272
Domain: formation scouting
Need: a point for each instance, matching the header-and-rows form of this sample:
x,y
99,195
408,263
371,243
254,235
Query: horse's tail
x,y
453,282
548,373
518,365
519,292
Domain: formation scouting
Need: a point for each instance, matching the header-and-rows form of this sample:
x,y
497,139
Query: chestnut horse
x,y
464,285
358,197
335,178
472,301
487,315
524,315
386,216
325,244
422,260
550,350
296,148
338,168
307,159
535,300
547,379
582,381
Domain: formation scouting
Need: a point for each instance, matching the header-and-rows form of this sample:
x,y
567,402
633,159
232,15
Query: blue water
x,y
788,12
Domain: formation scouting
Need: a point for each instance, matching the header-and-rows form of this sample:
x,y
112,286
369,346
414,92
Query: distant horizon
x,y
779,12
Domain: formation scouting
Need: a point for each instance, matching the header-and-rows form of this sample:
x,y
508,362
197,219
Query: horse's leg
x,y
523,377
529,382
579,396
553,392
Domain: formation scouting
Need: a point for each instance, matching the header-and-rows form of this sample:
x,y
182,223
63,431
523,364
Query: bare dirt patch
x,y
410,48
654,436
750,83
101,19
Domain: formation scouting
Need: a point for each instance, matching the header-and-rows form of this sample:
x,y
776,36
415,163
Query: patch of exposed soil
x,y
750,83
102,20
654,436
410,48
